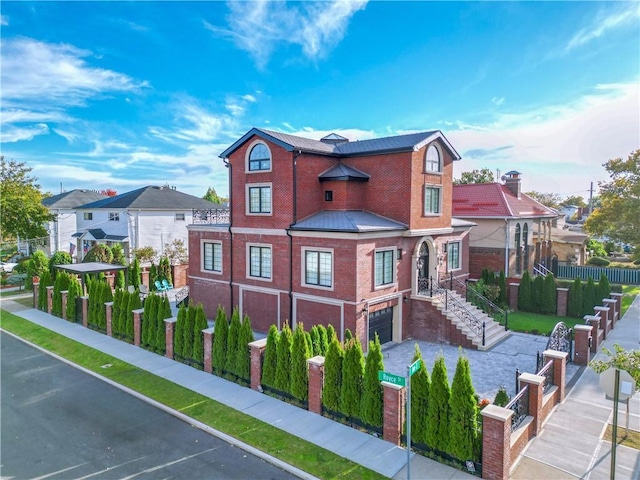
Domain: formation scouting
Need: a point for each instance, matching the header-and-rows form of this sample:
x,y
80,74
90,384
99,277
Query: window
x,y
179,217
432,159
328,196
260,262
453,256
114,217
259,158
431,200
88,216
518,252
318,268
260,199
384,267
212,257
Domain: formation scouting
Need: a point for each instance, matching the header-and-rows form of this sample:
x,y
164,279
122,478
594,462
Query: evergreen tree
x,y
60,284
153,276
135,274
243,352
220,334
107,296
589,294
149,320
537,292
420,383
120,280
347,336
45,281
200,324
438,407
115,312
122,313
502,283
299,368
187,333
134,304
232,342
283,367
178,334
550,295
604,289
574,302
371,406
324,340
74,292
270,358
331,332
352,373
333,375
315,340
164,312
502,397
463,408
524,293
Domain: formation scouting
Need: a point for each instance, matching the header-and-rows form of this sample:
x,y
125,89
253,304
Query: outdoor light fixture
x,y
406,299
365,309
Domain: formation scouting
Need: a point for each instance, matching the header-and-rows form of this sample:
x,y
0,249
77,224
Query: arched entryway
x,y
425,264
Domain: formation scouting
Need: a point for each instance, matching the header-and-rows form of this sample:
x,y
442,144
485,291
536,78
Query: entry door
x,y
423,268
381,322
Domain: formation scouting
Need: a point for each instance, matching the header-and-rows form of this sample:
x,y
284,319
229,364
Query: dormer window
x,y
259,158
432,159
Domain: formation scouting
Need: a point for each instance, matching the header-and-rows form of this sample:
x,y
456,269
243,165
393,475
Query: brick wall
x,y
482,257
428,324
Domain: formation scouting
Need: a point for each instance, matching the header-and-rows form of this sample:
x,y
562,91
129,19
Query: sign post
x,y
411,369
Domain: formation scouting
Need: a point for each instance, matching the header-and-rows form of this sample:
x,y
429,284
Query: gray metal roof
x,y
153,198
72,198
375,146
357,221
340,171
90,267
99,234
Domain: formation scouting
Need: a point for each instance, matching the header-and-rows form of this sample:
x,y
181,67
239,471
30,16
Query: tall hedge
x,y
549,295
463,414
187,333
589,294
299,368
164,312
315,340
232,342
134,304
199,324
45,281
149,319
178,334
574,302
74,292
604,288
537,292
352,378
153,276
371,405
221,329
115,312
135,274
438,407
107,296
243,352
331,332
524,293
324,340
420,384
269,365
60,284
283,368
333,375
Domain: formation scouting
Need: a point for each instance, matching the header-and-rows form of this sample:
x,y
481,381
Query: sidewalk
x,y
374,453
570,445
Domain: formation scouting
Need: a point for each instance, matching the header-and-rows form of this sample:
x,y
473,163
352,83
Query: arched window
x,y
525,245
260,158
518,250
432,159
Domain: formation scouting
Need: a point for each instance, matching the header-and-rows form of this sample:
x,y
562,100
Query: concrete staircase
x,y
494,332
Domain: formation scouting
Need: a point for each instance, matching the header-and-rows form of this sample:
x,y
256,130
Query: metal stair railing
x,y
475,298
182,294
540,269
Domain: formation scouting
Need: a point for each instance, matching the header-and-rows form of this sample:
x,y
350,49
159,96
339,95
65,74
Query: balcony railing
x,y
216,216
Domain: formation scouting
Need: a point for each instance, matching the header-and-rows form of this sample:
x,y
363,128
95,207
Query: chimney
x,y
512,182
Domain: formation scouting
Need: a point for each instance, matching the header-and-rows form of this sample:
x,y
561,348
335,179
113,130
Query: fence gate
x,y
561,340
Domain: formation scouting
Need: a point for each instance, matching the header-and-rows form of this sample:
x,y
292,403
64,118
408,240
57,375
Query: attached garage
x,y
381,322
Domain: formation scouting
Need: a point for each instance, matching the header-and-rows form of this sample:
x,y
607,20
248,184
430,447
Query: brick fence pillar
x,y
207,336
594,322
36,289
109,310
257,349
559,369
604,319
137,325
496,442
85,310
393,406
618,298
561,304
65,296
169,329
49,299
513,296
613,314
583,341
316,382
536,385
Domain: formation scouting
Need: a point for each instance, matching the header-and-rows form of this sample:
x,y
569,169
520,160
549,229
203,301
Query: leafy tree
x,y
502,397
476,176
627,360
333,375
145,254
220,334
420,384
135,274
574,302
177,252
551,200
200,324
178,334
596,247
617,218
549,295
232,342
58,258
604,289
352,373
36,266
573,200
525,293
270,358
589,297
23,214
283,368
243,353
99,253
212,196
371,407
438,407
118,259
463,408
299,368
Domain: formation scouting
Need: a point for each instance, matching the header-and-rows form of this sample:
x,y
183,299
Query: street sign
x,y
414,367
391,378
627,384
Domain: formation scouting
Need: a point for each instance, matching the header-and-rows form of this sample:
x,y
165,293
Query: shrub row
x,y
230,355
153,334
537,295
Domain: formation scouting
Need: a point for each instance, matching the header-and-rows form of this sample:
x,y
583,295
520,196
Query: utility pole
x,y
591,199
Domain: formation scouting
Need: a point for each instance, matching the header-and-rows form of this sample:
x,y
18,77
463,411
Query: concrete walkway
x,y
571,445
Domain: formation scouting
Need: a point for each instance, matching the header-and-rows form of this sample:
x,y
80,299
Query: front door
x,y
423,268
381,322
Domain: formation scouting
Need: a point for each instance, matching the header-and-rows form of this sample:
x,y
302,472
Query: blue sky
x,y
126,94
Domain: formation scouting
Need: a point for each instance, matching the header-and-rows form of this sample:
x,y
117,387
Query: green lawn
x,y
293,450
527,322
629,292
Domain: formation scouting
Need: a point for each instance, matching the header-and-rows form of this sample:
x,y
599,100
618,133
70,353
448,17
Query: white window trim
x,y
303,268
394,275
87,216
459,256
116,216
248,261
424,201
204,270
440,160
247,199
248,153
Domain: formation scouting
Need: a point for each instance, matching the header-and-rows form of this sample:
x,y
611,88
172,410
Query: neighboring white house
x,y
147,217
63,226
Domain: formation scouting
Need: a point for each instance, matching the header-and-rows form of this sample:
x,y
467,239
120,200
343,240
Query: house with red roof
x,y
355,234
512,232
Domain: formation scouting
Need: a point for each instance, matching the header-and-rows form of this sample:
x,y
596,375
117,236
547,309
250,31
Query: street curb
x,y
185,418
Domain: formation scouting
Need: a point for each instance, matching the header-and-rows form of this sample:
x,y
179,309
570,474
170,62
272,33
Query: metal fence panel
x,y
625,276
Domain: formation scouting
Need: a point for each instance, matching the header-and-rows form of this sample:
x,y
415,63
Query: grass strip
x,y
629,439
527,322
289,448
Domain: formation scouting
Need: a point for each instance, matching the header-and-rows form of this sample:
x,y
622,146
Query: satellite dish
x,y
503,178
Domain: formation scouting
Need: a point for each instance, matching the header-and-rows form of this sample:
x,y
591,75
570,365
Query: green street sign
x,y
414,367
391,378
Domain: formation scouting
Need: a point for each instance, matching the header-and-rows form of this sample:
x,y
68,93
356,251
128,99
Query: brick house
x,y
351,234
513,231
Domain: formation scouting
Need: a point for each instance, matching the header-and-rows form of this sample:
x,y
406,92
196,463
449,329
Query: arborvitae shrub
x,y
107,296
537,291
115,312
74,292
199,324
502,283
347,336
134,304
58,258
45,281
164,312
283,368
122,313
232,342
352,373
243,352
589,294
220,334
324,339
420,383
299,369
331,332
268,378
187,333
120,279
574,302
604,288
371,406
56,307
135,274
438,407
149,320
153,276
463,413
549,295
502,397
524,293
178,334
333,376
315,340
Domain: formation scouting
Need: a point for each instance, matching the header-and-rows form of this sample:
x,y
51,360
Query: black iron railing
x,y
220,216
547,373
475,298
182,294
520,407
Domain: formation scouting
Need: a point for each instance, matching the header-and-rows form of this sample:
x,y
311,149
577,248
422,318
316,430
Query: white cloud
x,y
351,133
497,101
627,14
249,98
15,134
195,123
4,20
19,115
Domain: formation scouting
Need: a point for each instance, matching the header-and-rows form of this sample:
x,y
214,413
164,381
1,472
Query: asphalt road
x,y
61,423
